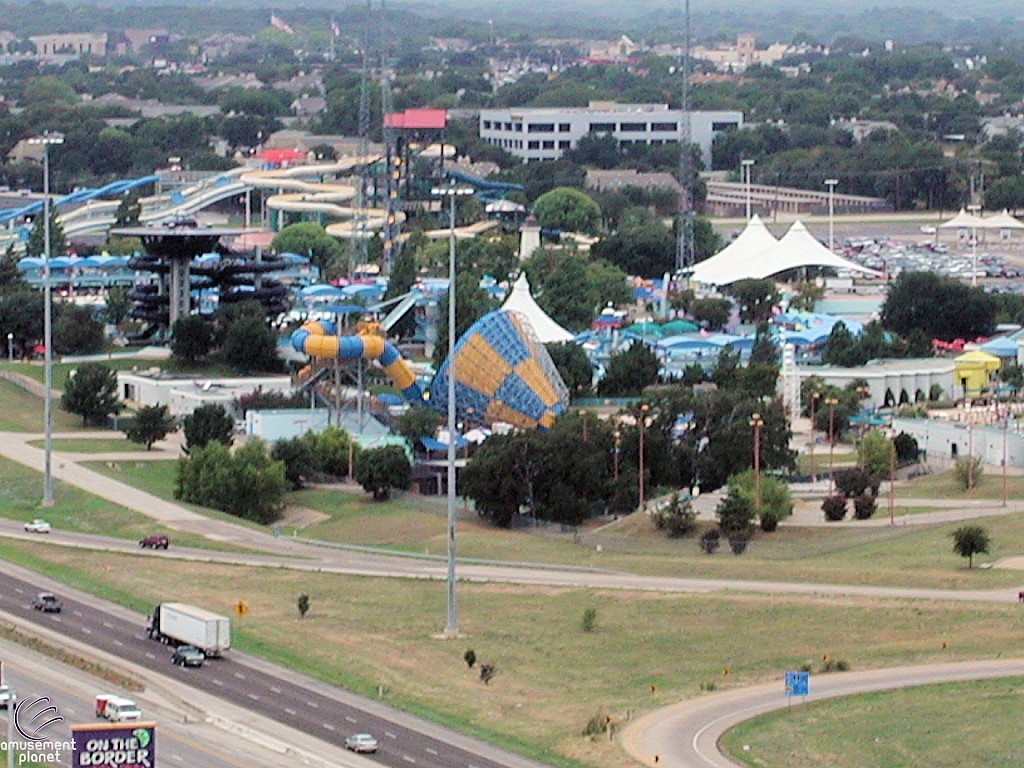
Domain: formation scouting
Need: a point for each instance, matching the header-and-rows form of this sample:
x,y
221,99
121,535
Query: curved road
x,y
686,735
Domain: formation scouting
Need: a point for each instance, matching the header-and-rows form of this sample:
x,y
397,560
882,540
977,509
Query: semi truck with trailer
x,y
181,624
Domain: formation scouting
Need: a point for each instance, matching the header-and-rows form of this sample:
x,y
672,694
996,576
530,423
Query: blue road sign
x,y
798,683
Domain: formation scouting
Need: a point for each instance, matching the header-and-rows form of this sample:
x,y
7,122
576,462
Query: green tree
x,y
875,453
755,298
808,294
333,448
191,339
641,246
629,372
842,348
309,239
942,307
36,245
10,276
303,605
151,423
118,304
567,209
573,366
378,470
776,500
678,517
497,478
735,514
247,484
91,392
250,345
713,314
207,424
76,331
970,540
129,210
21,315
417,422
298,457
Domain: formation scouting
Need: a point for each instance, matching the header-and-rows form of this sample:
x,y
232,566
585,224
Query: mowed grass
x,y
90,445
21,411
803,461
552,677
37,370
951,725
944,485
883,556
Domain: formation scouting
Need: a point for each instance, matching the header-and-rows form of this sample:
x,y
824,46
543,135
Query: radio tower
x,y
359,243
685,233
392,162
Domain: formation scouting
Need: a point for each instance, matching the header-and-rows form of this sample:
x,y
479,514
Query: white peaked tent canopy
x,y
741,254
1003,221
799,248
963,220
521,300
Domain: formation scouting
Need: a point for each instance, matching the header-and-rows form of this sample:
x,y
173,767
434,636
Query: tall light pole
x,y
1006,427
46,140
815,396
745,166
642,423
975,209
451,191
831,403
831,212
757,422
10,347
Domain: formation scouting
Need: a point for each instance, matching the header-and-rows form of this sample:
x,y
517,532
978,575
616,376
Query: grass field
x,y
60,370
940,726
551,676
884,556
21,411
89,445
803,461
943,485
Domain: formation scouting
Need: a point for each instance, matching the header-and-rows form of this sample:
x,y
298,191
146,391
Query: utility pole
x,y
685,232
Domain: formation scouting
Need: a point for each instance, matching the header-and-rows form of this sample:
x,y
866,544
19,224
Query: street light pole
x,y
745,164
974,209
643,426
831,403
831,212
451,191
46,140
815,396
1006,427
10,347
757,422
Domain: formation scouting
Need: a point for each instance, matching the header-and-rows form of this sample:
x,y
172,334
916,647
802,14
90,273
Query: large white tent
x,y
521,300
1002,220
741,253
963,220
799,248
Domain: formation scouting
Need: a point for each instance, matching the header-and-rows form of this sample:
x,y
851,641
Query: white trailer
x,y
182,624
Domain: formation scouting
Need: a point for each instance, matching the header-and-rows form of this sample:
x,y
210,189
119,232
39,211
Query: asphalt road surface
x,y
257,687
686,735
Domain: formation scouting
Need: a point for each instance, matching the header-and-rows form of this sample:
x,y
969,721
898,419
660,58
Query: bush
x,y
738,544
855,482
968,472
333,449
907,449
776,499
769,521
378,470
834,508
487,673
710,541
469,657
678,517
589,619
303,605
247,484
735,513
151,423
299,460
864,507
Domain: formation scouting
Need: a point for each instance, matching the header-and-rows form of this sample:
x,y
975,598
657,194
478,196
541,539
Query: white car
x,y
5,696
38,526
361,742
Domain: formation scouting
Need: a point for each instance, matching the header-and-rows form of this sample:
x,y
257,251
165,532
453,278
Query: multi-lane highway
x,y
275,693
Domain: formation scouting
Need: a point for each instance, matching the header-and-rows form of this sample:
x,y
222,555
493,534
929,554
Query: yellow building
x,y
974,371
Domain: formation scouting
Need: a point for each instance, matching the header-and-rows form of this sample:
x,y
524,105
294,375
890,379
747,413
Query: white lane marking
x,y
289,711
409,759
275,689
78,613
19,590
329,727
431,751
217,682
150,656
239,675
58,619
390,735
178,758
118,642
254,697
312,704
350,719
86,630
108,625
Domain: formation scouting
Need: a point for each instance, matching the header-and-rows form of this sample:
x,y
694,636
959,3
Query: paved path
x,y
686,735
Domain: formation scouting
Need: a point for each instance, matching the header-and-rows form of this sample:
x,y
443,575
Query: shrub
x,y
710,541
298,458
735,513
247,484
864,507
589,619
776,499
769,521
678,517
709,686
597,725
469,657
834,508
303,605
487,673
854,482
968,472
738,544
907,449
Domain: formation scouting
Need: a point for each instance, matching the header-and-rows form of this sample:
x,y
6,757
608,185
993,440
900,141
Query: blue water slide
x,y
488,190
78,196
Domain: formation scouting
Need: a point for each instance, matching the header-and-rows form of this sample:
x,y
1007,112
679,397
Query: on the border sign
x,y
114,745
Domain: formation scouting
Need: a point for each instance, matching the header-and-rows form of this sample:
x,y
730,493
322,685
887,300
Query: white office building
x,y
545,133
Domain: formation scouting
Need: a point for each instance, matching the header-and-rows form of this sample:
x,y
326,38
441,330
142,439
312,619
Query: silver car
x,y
361,742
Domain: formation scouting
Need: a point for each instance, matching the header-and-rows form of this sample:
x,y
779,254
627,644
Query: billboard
x,y
114,745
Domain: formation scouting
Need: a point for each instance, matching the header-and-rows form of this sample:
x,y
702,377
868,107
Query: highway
x,y
276,693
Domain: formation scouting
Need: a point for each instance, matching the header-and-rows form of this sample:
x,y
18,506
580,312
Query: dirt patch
x,y
300,517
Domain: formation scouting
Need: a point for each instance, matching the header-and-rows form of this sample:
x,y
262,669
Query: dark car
x,y
47,602
188,656
156,541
